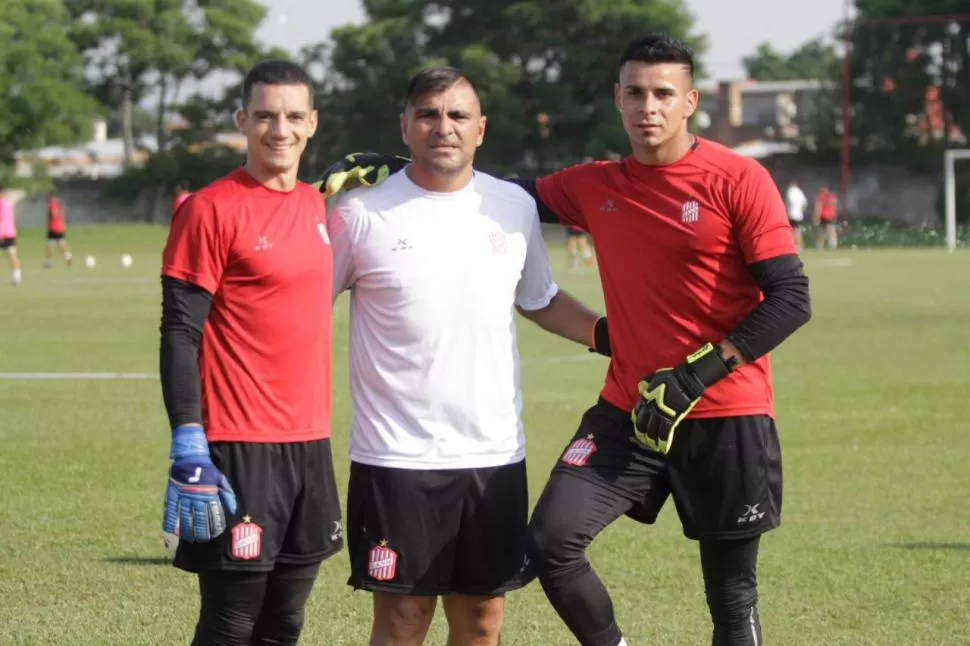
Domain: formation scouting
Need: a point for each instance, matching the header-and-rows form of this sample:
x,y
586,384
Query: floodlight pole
x,y
849,27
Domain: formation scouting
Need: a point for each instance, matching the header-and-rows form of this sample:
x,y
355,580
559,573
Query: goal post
x,y
950,158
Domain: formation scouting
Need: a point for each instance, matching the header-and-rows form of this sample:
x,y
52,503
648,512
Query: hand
x,y
198,495
359,169
601,338
668,395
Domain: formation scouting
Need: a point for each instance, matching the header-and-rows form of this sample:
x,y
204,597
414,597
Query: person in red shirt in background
x,y
826,212
56,231
181,194
701,280
245,375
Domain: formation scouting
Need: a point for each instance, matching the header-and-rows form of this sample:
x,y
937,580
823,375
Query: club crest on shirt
x,y
382,562
690,212
247,540
580,451
499,242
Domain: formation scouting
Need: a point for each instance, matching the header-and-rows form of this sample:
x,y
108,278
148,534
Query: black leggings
x,y
254,608
572,511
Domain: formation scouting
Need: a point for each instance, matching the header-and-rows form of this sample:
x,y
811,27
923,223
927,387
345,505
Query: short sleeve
x,y
342,218
197,249
558,193
536,287
760,220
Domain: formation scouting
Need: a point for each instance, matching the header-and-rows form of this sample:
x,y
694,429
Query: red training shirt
x,y
829,203
673,244
265,257
55,216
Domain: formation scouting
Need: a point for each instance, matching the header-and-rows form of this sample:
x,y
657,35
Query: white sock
x,y
622,642
16,276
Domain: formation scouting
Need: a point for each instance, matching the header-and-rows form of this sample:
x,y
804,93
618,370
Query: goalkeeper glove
x,y
668,395
359,169
198,495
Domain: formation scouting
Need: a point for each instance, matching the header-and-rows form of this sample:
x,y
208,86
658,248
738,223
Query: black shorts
x,y
288,508
53,236
724,474
8,243
436,532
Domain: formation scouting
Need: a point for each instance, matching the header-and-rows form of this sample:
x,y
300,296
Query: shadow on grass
x,y
139,560
958,547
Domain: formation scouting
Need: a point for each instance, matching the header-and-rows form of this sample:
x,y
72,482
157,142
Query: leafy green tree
x,y
138,50
545,70
41,92
814,60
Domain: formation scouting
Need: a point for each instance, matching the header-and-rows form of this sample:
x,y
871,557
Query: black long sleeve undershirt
x,y
185,308
786,306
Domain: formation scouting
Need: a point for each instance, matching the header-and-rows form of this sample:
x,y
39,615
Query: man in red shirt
x,y
245,370
826,211
56,231
701,280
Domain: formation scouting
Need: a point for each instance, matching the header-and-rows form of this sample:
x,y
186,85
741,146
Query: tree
x,y
545,70
910,82
814,60
141,49
41,95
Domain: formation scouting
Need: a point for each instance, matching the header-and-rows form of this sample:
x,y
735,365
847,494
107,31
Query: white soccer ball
x,y
126,260
90,262
171,543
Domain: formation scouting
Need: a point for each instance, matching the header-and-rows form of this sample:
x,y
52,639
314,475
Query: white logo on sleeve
x,y
263,243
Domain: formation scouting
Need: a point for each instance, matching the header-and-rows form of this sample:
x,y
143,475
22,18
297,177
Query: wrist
x,y
709,365
601,337
189,440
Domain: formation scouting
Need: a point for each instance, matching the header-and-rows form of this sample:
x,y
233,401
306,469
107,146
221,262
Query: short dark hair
x,y
659,47
275,72
435,79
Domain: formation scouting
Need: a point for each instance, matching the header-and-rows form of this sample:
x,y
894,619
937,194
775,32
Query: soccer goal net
x,y
950,158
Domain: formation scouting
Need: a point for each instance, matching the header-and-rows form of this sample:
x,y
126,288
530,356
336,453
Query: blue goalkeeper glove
x,y
359,169
668,395
198,495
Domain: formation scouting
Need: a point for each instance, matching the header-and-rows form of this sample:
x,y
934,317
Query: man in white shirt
x,y
437,259
796,202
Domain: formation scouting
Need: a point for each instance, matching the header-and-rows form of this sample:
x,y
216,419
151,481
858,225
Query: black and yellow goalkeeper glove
x,y
668,395
359,169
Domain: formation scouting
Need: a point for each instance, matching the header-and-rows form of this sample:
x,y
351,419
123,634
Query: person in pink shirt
x,y
8,235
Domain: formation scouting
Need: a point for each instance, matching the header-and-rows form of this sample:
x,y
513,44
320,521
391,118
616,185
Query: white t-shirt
x,y
434,278
796,202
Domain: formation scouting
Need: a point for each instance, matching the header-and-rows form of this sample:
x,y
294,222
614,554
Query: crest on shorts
x,y
382,562
247,540
580,451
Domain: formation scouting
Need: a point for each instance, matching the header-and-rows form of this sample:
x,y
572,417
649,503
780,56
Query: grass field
x,y
872,408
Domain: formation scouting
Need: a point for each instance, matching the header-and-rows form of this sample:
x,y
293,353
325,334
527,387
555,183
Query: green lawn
x,y
872,406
